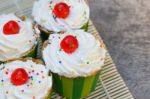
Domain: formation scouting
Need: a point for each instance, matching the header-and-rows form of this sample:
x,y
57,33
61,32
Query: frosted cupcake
x,y
24,79
60,15
18,37
75,58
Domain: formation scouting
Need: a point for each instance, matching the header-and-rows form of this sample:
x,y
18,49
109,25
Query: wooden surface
x,y
111,86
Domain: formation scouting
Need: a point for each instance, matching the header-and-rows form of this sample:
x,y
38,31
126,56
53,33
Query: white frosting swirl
x,y
43,15
37,86
86,60
14,46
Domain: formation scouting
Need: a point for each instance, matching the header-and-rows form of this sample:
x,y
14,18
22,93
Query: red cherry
x,y
19,76
69,44
11,27
61,10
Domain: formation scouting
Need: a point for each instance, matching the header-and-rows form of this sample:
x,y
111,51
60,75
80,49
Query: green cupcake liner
x,y
74,88
33,52
49,96
85,27
44,36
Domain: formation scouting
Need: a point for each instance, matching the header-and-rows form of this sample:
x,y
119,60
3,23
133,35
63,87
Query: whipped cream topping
x,y
44,16
15,45
37,87
86,60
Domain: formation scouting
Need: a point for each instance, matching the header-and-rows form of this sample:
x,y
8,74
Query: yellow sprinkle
x,y
81,65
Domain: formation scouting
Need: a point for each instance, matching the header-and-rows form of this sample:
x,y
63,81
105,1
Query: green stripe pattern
x,y
74,88
57,83
85,27
49,96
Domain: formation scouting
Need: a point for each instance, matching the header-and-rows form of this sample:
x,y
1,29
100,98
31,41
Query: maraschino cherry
x,y
11,27
69,44
19,76
61,10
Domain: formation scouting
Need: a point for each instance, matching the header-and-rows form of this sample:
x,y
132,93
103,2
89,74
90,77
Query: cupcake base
x,y
75,88
49,95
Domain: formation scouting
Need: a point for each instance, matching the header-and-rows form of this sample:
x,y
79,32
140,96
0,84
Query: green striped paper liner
x,y
49,95
44,36
85,27
74,88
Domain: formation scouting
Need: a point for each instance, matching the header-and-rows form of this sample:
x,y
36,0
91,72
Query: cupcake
x,y
75,59
18,37
60,15
24,79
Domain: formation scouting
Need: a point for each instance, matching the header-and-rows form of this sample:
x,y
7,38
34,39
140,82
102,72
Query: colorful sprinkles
x,y
2,80
22,91
60,49
60,62
88,62
33,97
37,73
6,92
33,75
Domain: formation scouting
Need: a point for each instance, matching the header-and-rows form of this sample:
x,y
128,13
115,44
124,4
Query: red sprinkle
x,y
6,73
33,97
6,92
43,77
37,73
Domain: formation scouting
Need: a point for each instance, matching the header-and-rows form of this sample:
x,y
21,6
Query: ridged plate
x,y
110,84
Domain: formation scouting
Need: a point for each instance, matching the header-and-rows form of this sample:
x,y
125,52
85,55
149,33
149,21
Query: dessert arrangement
x,y
24,79
72,58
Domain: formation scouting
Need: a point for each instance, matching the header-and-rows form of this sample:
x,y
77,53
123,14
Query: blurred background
x,y
124,26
